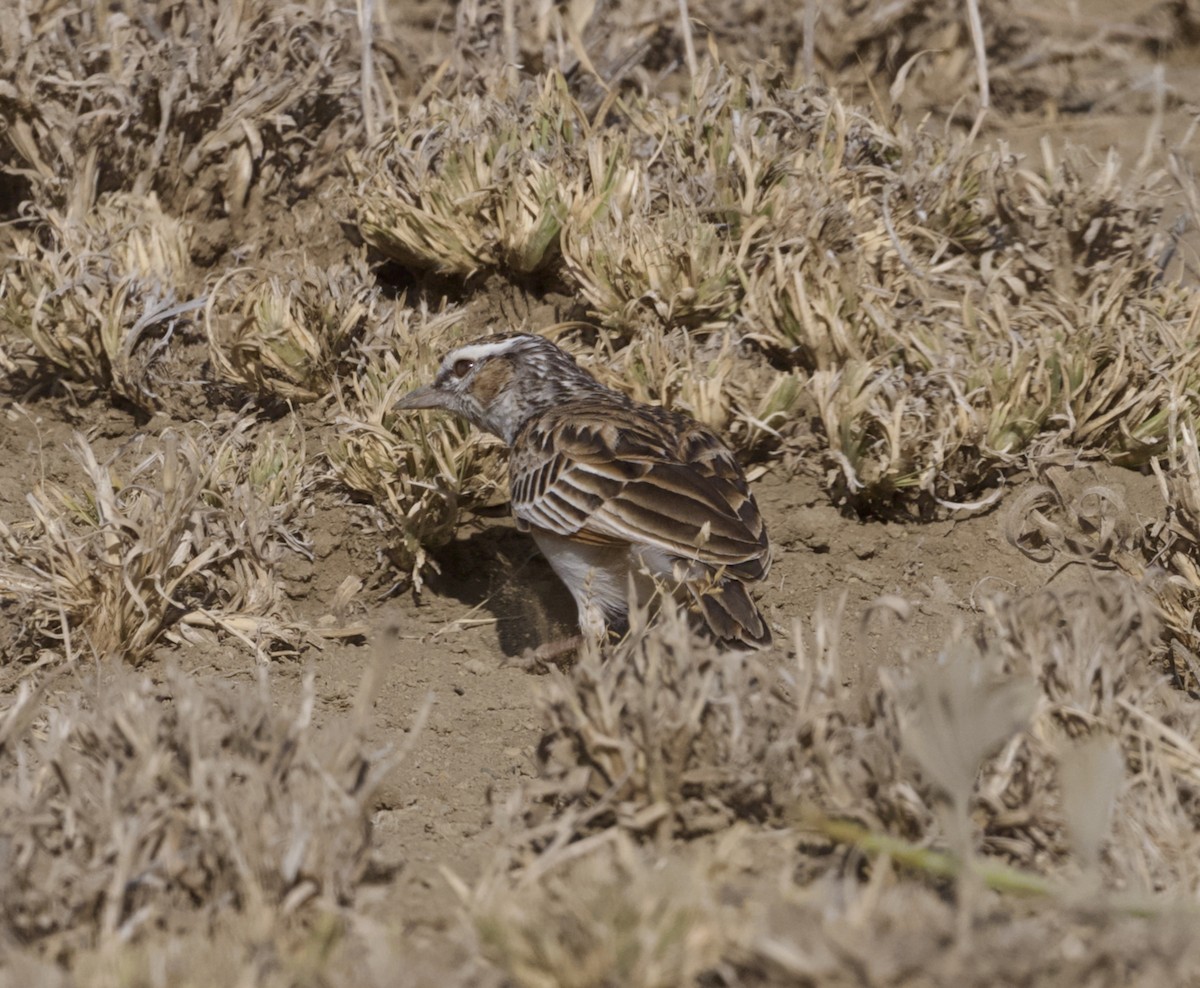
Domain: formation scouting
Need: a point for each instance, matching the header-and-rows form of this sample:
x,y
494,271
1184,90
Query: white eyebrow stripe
x,y
478,351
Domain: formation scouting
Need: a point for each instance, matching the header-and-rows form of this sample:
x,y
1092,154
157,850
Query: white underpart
x,y
597,576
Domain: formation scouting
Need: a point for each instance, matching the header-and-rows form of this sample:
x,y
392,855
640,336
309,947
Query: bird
x,y
618,495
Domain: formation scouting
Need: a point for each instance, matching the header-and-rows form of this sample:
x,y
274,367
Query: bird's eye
x,y
462,367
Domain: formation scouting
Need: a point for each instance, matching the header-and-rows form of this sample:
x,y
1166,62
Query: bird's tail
x,y
732,617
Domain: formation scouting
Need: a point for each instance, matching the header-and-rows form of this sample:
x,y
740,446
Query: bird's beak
x,y
426,396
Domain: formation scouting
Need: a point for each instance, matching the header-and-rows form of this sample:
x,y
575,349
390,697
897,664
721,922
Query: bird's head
x,y
498,382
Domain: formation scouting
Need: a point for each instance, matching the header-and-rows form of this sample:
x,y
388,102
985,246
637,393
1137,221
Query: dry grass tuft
x,y
287,337
656,265
476,183
657,739
604,920
95,295
189,535
421,479
130,806
211,106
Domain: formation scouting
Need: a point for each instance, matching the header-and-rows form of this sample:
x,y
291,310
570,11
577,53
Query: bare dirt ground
x,y
447,686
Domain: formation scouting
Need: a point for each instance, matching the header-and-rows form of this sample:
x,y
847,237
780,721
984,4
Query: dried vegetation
x,y
148,98
92,296
950,309
921,314
1041,750
186,534
288,336
419,479
131,806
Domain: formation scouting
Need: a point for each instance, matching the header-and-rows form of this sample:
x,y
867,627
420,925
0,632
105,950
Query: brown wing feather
x,y
641,475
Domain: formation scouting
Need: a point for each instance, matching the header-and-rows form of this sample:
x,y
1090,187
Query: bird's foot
x,y
558,652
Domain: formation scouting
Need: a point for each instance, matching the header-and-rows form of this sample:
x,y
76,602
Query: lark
x,y
616,493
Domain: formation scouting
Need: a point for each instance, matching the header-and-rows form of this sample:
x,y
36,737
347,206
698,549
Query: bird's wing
x,y
639,476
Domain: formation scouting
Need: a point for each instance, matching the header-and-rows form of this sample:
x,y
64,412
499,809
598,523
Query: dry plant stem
x,y
980,44
366,28
968,881
1154,131
812,10
959,716
994,875
938,864
685,29
511,56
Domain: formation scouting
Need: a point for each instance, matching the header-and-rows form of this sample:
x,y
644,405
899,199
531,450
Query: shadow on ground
x,y
499,572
